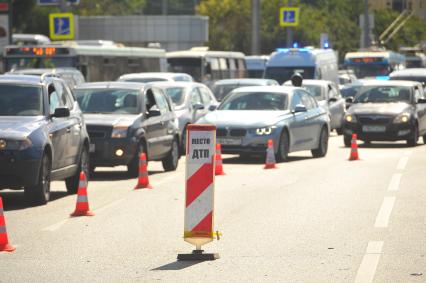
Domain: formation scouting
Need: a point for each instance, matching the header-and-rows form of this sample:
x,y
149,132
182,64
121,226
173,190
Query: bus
x,y
256,65
374,64
311,63
414,57
207,66
96,63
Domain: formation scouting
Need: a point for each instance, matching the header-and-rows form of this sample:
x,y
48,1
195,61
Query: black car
x,y
42,136
387,111
124,119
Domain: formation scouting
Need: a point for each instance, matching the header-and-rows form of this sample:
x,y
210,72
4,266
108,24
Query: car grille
x,y
220,132
374,120
99,132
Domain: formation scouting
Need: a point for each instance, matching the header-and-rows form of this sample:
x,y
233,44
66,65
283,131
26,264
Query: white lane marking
x,y
402,163
382,220
369,262
105,207
408,152
56,226
394,182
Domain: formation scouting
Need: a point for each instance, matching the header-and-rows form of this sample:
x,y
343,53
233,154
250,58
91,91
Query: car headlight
x,y
15,144
265,131
119,132
402,118
350,118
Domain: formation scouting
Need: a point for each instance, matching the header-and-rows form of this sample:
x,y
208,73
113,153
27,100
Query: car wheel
x,y
415,138
321,151
40,193
283,147
133,166
72,182
170,162
347,140
339,131
183,142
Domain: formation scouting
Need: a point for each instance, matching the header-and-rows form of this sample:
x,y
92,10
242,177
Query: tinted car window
x,y
144,80
20,100
205,95
255,101
350,91
307,100
315,90
114,101
296,100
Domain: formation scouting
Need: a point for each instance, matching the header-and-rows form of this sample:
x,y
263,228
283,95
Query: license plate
x,y
229,141
92,147
374,129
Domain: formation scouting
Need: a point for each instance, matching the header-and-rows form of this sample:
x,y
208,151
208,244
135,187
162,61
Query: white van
x,y
311,63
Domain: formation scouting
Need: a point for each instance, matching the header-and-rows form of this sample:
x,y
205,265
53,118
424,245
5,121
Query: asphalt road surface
x,y
310,220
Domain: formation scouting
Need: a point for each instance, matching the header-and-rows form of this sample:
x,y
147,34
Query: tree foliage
x,y
230,24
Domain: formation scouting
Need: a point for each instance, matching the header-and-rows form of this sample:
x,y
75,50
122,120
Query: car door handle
x,y
68,130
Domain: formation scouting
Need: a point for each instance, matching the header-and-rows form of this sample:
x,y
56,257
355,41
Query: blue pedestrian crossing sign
x,y
289,16
61,26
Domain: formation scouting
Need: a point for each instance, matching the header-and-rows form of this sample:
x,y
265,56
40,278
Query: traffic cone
x,y
270,156
82,206
354,148
4,242
143,181
218,157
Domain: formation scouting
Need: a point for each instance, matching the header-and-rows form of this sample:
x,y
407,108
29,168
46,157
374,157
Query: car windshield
x,y
315,90
350,91
111,101
220,91
144,80
176,94
255,101
384,94
18,100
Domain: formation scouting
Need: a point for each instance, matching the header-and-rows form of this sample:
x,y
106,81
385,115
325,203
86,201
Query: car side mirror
x,y
332,100
421,100
198,106
154,112
212,107
300,108
61,112
349,99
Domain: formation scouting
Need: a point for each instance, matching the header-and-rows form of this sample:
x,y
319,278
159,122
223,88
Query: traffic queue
x,y
54,128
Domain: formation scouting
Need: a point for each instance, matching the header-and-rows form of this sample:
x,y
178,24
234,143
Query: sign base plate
x,y
198,255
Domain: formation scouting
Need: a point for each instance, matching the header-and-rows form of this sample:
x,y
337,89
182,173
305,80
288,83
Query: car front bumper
x,y
392,132
103,152
19,169
248,144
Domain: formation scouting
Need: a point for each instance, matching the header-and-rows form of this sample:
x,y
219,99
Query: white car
x,y
328,96
148,77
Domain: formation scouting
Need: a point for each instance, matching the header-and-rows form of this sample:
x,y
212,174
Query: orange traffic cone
x,y
143,181
354,148
82,206
270,156
218,157
4,242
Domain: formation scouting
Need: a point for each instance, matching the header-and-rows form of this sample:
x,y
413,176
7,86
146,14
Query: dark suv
x,y
42,136
124,119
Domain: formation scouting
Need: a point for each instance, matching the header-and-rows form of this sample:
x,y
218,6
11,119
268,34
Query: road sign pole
x,y
289,30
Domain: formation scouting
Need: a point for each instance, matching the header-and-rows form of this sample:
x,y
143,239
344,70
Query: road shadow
x,y
15,200
177,265
260,159
382,145
115,175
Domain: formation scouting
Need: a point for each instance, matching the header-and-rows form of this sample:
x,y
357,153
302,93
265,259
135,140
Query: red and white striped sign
x,y
199,204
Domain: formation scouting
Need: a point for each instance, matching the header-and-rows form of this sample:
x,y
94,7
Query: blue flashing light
x,y
326,45
295,45
382,78
282,49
